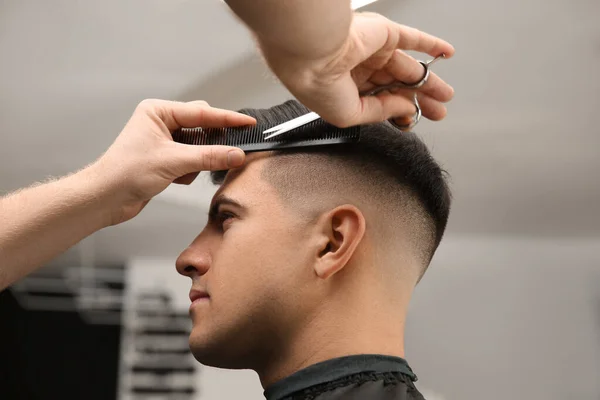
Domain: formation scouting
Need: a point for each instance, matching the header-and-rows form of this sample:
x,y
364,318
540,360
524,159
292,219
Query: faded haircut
x,y
390,171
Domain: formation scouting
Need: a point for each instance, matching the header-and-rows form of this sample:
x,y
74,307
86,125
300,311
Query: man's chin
x,y
215,354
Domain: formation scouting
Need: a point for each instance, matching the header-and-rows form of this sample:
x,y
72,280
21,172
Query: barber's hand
x,y
371,56
144,159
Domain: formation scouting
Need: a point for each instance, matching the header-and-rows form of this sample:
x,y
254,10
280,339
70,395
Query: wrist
x,y
106,197
306,30
306,73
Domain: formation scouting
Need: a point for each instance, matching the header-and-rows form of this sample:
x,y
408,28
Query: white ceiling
x,y
520,141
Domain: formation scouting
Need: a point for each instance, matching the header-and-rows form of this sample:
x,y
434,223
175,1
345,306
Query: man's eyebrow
x,y
222,199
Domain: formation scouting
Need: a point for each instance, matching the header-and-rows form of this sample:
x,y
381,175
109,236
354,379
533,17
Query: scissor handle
x,y
415,119
404,85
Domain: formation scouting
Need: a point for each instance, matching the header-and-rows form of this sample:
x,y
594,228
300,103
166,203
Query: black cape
x,y
359,377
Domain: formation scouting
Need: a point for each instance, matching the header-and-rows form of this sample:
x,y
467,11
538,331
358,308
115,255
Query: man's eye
x,y
223,217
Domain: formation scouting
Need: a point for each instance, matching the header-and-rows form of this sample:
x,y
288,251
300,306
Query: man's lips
x,y
198,295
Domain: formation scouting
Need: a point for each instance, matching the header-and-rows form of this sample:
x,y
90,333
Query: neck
x,y
368,329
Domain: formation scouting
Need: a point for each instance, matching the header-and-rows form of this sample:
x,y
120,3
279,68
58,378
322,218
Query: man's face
x,y
252,262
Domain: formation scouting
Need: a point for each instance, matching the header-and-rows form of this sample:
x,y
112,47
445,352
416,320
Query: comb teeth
x,y
251,138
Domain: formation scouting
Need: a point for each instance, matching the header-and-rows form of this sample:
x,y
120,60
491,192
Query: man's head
x,y
313,234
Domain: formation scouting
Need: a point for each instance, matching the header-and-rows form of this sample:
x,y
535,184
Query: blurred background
x,y
510,307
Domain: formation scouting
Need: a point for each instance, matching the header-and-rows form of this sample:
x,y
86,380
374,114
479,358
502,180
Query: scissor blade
x,y
294,123
287,129
272,135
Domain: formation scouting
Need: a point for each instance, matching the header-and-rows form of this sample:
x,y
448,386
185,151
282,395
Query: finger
x,y
438,89
186,179
413,39
189,115
431,108
406,69
220,118
400,106
191,159
384,106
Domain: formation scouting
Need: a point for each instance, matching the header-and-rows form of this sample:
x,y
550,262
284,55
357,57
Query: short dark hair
x,y
402,156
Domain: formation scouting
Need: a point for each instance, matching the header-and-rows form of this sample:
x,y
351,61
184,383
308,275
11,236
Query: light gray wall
x,y
509,318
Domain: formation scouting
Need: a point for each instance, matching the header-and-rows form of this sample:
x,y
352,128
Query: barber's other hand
x,y
371,56
144,159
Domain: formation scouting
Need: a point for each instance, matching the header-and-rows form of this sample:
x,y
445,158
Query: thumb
x,y
194,158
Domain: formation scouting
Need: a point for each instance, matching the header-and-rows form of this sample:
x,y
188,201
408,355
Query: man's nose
x,y
195,260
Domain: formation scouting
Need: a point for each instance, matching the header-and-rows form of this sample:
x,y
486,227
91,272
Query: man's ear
x,y
341,230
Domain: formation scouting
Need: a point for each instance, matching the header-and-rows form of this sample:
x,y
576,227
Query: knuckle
x,y
201,113
148,104
211,159
200,103
208,158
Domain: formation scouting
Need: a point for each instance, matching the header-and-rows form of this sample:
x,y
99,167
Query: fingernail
x,y
235,158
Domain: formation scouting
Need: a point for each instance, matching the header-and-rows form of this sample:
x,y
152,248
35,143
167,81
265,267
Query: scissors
x,y
312,116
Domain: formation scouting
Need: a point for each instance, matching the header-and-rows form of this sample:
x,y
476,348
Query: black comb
x,y
251,138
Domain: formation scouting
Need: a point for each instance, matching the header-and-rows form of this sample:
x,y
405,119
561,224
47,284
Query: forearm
x,y
39,223
297,29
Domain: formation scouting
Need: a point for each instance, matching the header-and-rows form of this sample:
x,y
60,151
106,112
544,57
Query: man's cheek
x,y
235,276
